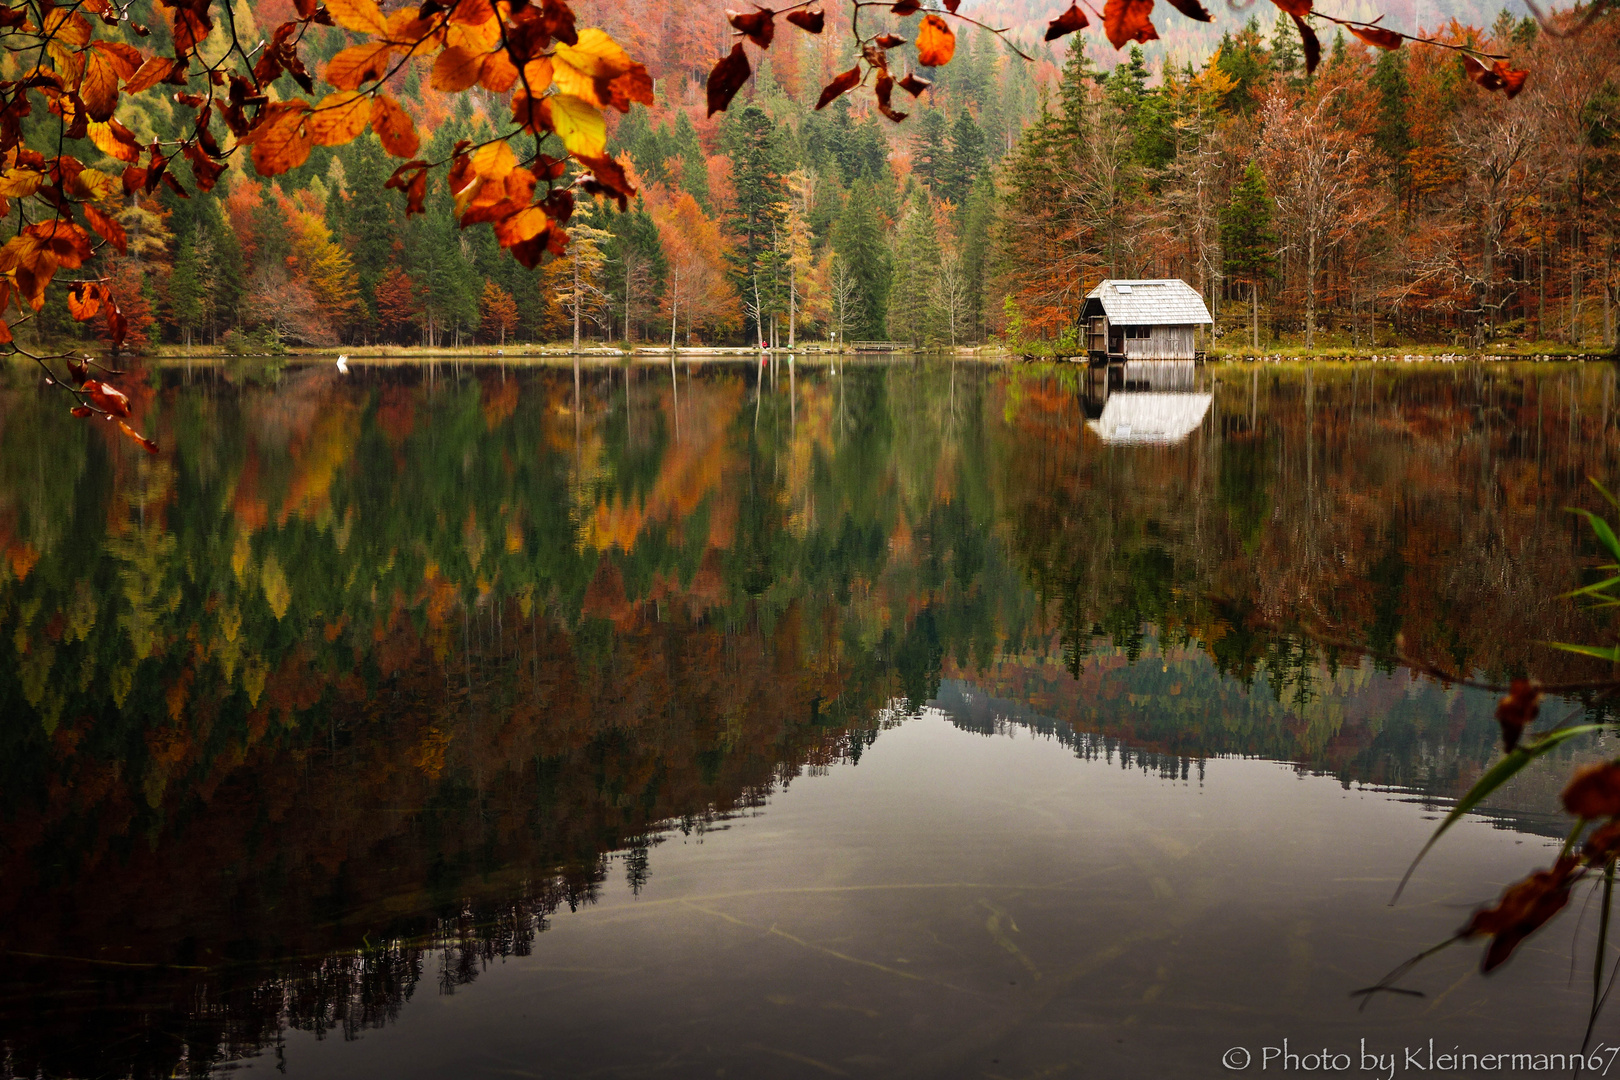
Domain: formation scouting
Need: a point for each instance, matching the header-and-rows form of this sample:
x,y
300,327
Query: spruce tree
x,y
928,150
913,315
756,217
1247,239
858,241
965,160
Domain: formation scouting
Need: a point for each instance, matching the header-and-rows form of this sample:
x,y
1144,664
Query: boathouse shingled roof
x,y
1151,302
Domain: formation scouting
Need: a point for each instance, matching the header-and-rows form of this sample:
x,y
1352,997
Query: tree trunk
x,y
576,319
1311,271
793,306
1254,305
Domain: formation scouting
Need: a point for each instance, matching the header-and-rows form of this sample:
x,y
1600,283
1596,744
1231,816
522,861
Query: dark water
x,y
888,722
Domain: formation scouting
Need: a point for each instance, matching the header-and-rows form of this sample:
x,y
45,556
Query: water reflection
x,y
367,678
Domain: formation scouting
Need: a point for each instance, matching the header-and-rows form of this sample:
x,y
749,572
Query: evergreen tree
x,y
756,219
1393,134
371,219
186,290
1245,61
1247,239
694,176
965,161
913,315
636,267
928,153
1287,61
858,241
978,218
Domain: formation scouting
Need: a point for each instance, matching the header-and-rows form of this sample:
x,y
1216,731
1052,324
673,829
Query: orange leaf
x,y
456,69
150,73
108,229
126,59
500,74
394,127
84,300
361,16
150,446
98,89
115,140
339,118
936,44
358,64
1129,20
280,140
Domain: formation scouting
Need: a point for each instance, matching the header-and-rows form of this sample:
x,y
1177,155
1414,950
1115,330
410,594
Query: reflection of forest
x,y
394,662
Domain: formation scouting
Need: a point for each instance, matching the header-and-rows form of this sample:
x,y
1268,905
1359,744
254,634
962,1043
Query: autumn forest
x,y
1382,197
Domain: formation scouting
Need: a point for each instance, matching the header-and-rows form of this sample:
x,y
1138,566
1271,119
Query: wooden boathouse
x,y
1149,320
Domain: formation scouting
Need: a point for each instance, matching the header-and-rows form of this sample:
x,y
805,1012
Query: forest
x,y
1384,197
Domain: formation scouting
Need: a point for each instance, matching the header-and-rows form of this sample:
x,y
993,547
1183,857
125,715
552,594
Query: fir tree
x,y
913,315
965,160
1247,239
756,219
858,240
928,150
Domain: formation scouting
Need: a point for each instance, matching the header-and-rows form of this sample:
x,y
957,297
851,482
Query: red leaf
x,y
108,229
727,78
936,44
1128,20
810,21
109,399
907,7
1192,9
1512,78
888,41
840,86
82,411
1294,7
1307,38
1067,23
912,85
758,26
1377,35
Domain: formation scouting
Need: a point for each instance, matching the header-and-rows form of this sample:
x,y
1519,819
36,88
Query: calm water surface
x,y
918,719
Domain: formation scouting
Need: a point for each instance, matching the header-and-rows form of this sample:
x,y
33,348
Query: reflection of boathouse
x,y
1145,402
1147,321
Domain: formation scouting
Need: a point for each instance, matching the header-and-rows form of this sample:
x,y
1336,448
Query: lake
x,y
906,718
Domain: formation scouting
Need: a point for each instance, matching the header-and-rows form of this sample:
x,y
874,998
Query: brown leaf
x,y
840,86
913,85
1594,791
1377,35
1067,23
1517,711
936,44
727,78
1524,908
810,20
1128,20
81,411
1301,8
888,41
883,90
757,26
1192,9
907,7
394,127
607,178
1307,38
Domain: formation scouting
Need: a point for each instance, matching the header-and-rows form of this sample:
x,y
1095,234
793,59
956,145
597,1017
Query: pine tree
x,y
1245,60
186,291
1287,61
1247,238
1393,135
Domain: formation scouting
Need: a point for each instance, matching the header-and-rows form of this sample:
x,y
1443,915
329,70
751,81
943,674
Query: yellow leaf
x,y
93,185
358,64
578,124
20,183
596,56
571,80
361,16
494,161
